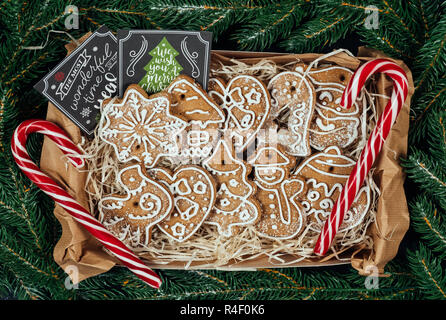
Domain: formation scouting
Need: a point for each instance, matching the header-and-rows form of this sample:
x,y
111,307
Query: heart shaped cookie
x,y
194,195
247,104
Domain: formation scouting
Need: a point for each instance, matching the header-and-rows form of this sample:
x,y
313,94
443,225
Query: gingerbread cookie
x,y
282,215
236,205
290,90
140,127
325,174
246,102
332,124
194,192
131,216
204,116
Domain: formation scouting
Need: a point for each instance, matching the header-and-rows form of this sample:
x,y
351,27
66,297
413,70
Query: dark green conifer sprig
x,y
270,26
316,33
437,134
425,109
428,221
428,173
429,272
430,65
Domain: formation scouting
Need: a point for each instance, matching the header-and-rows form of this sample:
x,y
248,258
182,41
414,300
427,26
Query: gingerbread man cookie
x,y
140,127
325,173
194,192
132,216
203,115
291,90
332,125
246,102
282,215
235,204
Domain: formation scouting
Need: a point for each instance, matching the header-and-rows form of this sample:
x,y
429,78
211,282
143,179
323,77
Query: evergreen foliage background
x,y
412,30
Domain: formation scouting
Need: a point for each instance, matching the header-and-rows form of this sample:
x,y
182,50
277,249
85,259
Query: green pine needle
x,y
429,272
428,173
428,221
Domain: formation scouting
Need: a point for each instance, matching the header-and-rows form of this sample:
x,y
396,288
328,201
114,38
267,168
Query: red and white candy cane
x,y
374,143
60,196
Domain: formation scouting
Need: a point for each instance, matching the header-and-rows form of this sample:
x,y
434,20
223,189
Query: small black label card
x,y
153,58
85,78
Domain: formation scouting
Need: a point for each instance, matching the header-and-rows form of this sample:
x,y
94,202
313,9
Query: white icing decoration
x,y
346,115
323,127
200,187
245,129
141,117
276,190
178,229
326,202
152,217
203,124
226,194
300,117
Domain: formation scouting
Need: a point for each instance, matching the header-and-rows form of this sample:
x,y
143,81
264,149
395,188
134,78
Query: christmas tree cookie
x,y
235,204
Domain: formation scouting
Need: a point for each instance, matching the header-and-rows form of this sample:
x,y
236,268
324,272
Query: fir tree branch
x,y
437,135
268,27
429,14
424,107
315,34
426,221
429,272
430,64
428,174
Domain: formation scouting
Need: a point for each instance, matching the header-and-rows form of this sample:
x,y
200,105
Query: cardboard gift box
x,y
78,248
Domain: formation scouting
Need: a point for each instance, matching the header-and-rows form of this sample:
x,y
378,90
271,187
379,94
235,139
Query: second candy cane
x,y
374,143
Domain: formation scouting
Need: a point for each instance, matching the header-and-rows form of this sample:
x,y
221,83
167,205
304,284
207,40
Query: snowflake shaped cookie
x,y
140,127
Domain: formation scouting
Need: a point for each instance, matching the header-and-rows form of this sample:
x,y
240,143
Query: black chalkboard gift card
x,y
80,82
153,58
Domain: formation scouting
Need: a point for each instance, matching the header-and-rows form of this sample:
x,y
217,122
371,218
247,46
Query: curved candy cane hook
x,y
374,143
60,196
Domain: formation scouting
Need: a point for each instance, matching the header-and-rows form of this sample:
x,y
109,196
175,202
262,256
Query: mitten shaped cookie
x,y
332,125
132,215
